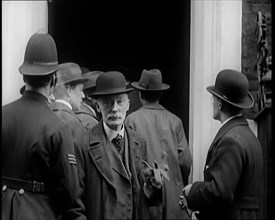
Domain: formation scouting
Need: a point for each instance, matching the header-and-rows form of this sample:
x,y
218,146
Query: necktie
x,y
118,142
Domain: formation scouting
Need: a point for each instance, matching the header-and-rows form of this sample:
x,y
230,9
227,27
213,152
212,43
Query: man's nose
x,y
115,105
82,95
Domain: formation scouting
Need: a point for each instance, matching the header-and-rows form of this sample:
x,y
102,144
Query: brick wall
x,y
249,43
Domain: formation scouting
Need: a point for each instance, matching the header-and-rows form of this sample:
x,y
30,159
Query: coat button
x,y
4,188
21,191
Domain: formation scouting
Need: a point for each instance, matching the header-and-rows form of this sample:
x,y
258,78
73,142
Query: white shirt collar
x,y
231,118
111,134
64,102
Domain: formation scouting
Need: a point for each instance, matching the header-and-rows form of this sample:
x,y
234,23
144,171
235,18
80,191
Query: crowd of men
x,y
70,151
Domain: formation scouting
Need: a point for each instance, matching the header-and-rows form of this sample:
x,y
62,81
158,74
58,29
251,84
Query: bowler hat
x,y
232,87
109,83
150,80
40,56
69,73
91,76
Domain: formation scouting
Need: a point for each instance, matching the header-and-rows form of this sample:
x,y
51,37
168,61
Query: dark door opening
x,y
128,36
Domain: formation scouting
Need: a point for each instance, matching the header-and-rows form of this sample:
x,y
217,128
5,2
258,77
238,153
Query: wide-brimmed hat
x,y
110,83
150,80
69,73
91,76
232,87
40,56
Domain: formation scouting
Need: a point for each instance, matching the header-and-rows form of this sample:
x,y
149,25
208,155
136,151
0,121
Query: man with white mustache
x,y
116,183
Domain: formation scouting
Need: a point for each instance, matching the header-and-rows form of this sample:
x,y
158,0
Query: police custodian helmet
x,y
40,55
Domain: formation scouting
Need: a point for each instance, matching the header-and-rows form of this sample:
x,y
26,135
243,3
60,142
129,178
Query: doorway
x,y
128,36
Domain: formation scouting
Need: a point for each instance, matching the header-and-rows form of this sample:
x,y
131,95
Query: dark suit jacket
x,y
98,199
233,175
35,146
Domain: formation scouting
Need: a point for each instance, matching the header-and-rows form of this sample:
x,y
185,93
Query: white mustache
x,y
113,116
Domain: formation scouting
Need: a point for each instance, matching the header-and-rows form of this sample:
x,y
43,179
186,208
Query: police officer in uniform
x,y
39,172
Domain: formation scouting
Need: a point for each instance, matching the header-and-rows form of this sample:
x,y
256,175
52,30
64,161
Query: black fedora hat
x,y
232,87
150,80
110,83
40,55
69,73
91,76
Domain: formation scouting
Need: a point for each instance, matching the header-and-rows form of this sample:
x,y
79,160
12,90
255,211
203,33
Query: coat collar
x,y
58,106
100,148
239,120
36,96
152,106
87,109
64,102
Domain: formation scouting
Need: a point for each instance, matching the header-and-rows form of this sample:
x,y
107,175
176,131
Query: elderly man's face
x,y
113,109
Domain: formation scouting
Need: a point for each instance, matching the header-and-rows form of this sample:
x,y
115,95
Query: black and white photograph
x,y
156,110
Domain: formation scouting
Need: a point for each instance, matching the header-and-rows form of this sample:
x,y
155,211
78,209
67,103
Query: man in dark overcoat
x,y
163,131
87,112
117,184
68,94
39,173
233,173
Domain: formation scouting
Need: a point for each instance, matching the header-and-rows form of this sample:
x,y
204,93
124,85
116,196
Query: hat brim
x,y
112,92
74,81
36,69
246,103
163,88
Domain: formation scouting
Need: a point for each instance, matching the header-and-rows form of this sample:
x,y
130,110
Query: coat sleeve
x,y
220,178
77,211
184,154
63,181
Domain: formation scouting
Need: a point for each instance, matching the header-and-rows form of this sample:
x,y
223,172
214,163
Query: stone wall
x,y
249,43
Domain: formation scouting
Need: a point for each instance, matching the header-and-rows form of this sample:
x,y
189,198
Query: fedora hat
x,y
150,80
91,76
69,73
110,83
40,56
232,87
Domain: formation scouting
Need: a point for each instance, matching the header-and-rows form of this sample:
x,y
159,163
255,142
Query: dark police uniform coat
x,y
110,192
163,131
233,175
36,146
87,116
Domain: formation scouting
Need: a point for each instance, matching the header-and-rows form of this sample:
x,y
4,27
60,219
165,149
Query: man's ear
x,y
129,102
97,107
69,90
220,104
53,81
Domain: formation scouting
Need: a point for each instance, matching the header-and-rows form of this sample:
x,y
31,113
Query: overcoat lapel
x,y
98,151
134,158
